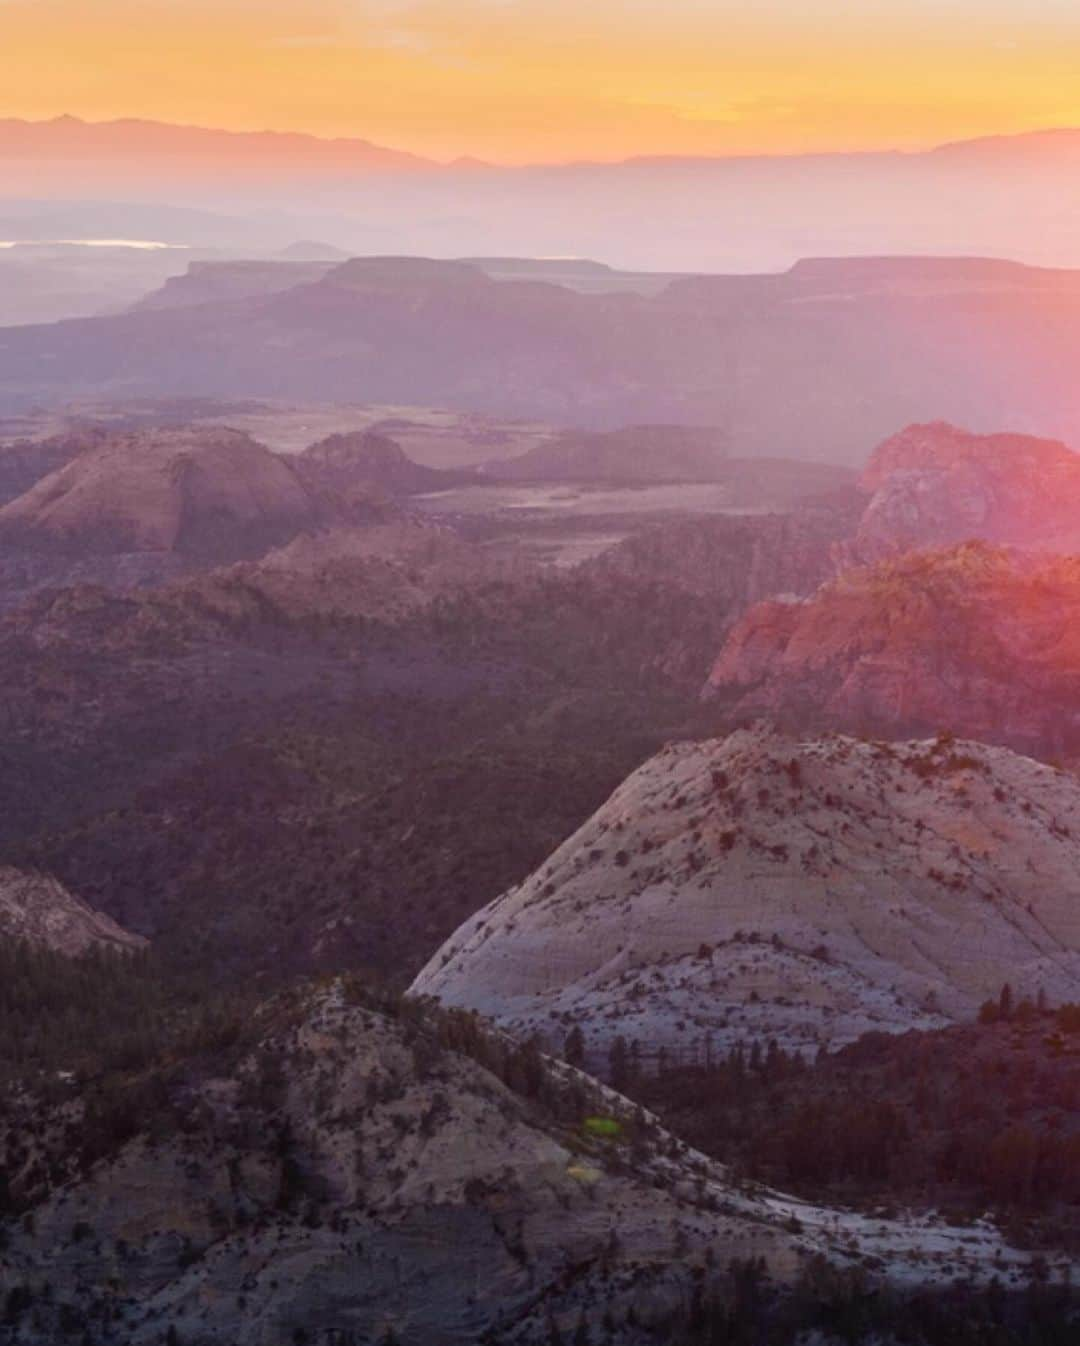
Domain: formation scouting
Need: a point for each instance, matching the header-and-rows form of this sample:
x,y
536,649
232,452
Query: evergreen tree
x,y
574,1047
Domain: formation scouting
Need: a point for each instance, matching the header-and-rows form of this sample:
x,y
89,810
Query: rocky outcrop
x,y
973,639
206,492
39,910
933,484
762,886
368,464
355,1177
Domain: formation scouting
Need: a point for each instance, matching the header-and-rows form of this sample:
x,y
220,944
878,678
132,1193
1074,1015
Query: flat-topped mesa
x,y
397,274
209,282
808,890
973,639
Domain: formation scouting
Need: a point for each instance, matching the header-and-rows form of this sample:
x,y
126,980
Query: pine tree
x,y
1005,1002
619,1063
574,1047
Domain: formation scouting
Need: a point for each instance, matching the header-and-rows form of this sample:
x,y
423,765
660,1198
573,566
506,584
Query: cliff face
x,y
39,910
934,484
763,886
973,639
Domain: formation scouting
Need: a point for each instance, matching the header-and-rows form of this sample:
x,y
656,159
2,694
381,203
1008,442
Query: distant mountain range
x,y
132,137
1014,196
821,361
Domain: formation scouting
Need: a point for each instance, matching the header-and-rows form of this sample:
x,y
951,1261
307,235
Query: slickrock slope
x,y
976,640
198,491
934,484
40,910
761,886
355,1177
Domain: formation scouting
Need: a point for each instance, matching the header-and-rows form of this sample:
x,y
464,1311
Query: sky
x,y
551,80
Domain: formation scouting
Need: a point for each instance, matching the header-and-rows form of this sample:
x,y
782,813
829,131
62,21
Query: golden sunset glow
x,y
527,80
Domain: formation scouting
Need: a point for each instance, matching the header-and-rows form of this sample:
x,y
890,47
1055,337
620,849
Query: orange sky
x,y
522,80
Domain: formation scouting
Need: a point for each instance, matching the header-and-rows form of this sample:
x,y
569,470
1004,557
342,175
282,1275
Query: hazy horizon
x,y
544,79
394,157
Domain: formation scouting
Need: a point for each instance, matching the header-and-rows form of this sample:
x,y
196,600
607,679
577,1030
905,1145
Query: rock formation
x,y
972,639
368,464
762,886
932,485
199,491
354,1177
39,910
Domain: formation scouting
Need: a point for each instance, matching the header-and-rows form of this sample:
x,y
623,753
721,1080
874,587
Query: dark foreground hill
x,y
327,1167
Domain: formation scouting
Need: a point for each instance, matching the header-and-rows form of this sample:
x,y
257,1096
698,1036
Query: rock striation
x,y
764,886
973,639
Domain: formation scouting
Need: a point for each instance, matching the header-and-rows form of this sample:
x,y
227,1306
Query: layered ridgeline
x,y
326,1170
973,639
36,909
823,359
763,886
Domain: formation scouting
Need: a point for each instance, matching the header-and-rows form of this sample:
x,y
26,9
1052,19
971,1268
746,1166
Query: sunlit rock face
x,y
972,639
935,484
808,890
